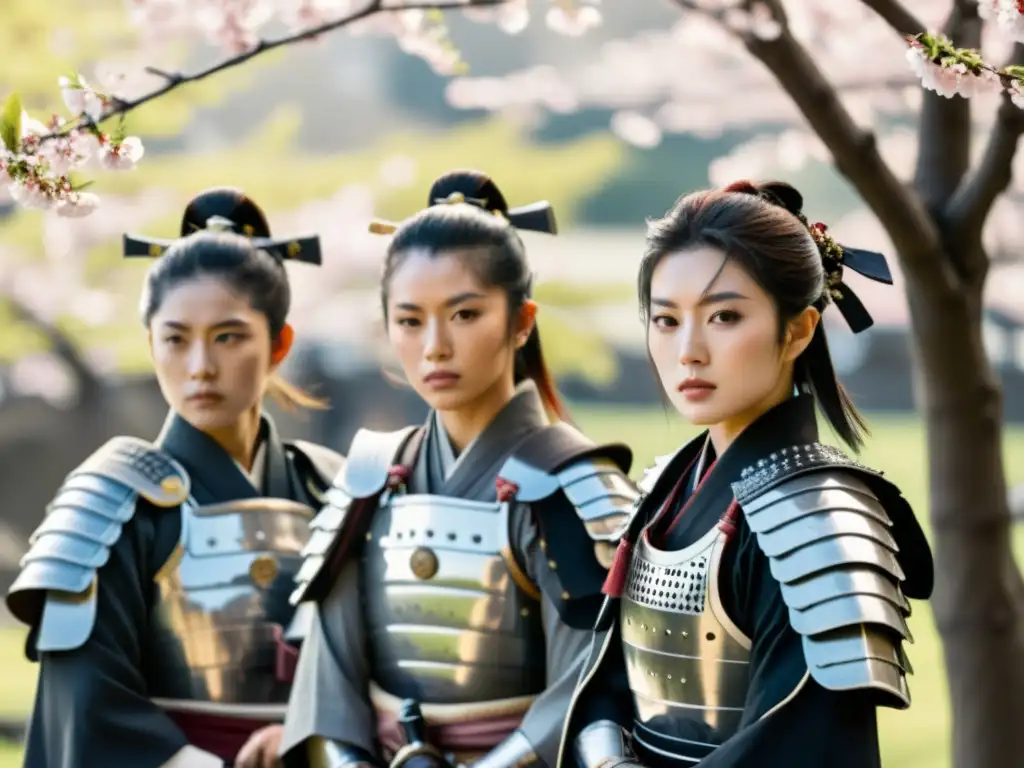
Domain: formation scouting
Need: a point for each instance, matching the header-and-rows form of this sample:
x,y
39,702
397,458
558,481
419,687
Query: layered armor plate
x,y
446,620
223,606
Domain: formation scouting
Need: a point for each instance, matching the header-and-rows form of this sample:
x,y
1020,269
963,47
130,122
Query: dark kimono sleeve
x,y
91,708
790,719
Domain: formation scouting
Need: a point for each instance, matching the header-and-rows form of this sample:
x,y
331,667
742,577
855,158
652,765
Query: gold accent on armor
x,y
543,545
155,250
518,574
317,495
378,227
294,249
369,537
172,485
604,551
552,564
565,594
261,504
170,567
423,563
524,611
248,229
263,570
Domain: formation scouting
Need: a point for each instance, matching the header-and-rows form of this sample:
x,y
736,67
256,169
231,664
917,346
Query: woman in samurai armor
x,y
157,585
756,609
458,566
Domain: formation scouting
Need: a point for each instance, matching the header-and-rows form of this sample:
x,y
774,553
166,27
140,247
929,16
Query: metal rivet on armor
x,y
565,595
211,542
668,631
774,456
710,635
650,672
761,462
682,680
430,534
643,626
423,563
669,676
451,537
524,611
477,538
552,564
543,546
629,622
260,535
369,537
684,634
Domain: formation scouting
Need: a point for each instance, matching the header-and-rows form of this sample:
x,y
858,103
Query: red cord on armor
x,y
615,581
507,490
727,524
398,476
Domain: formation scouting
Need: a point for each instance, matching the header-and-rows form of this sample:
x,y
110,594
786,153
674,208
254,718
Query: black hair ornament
x,y
835,258
534,217
225,209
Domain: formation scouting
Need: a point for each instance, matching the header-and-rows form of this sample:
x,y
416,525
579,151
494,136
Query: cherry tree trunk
x,y
979,596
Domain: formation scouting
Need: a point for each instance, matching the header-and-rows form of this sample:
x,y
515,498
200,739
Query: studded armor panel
x,y
446,621
688,666
56,588
829,543
223,606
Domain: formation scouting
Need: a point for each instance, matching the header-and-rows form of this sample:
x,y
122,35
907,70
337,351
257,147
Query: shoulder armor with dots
x,y
364,474
56,588
829,543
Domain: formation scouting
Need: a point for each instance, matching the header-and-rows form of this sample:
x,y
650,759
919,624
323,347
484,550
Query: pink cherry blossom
x,y
121,156
78,204
572,20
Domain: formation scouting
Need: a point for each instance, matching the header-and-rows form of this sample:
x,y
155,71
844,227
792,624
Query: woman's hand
x,y
260,751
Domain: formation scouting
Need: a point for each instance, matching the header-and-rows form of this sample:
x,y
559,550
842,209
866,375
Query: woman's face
x,y
212,353
451,334
714,339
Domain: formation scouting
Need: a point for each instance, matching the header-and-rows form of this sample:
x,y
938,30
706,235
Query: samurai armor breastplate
x,y
447,622
222,610
687,663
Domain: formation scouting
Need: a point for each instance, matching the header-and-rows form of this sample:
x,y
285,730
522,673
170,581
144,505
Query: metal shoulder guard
x,y
587,485
320,465
601,494
56,589
363,476
830,544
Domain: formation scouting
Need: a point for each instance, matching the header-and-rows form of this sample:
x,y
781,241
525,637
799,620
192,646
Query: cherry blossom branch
x,y
175,80
855,153
896,16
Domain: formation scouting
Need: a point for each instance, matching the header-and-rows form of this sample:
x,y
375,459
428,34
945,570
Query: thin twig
x,y
896,16
176,80
969,206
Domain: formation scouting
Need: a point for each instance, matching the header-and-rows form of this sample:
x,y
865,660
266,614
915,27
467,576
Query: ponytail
x,y
290,397
814,372
530,364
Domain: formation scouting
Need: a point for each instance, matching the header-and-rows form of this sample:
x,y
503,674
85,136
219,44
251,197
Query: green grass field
x,y
917,738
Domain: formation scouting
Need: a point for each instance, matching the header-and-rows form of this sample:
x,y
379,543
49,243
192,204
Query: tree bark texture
x,y
935,225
